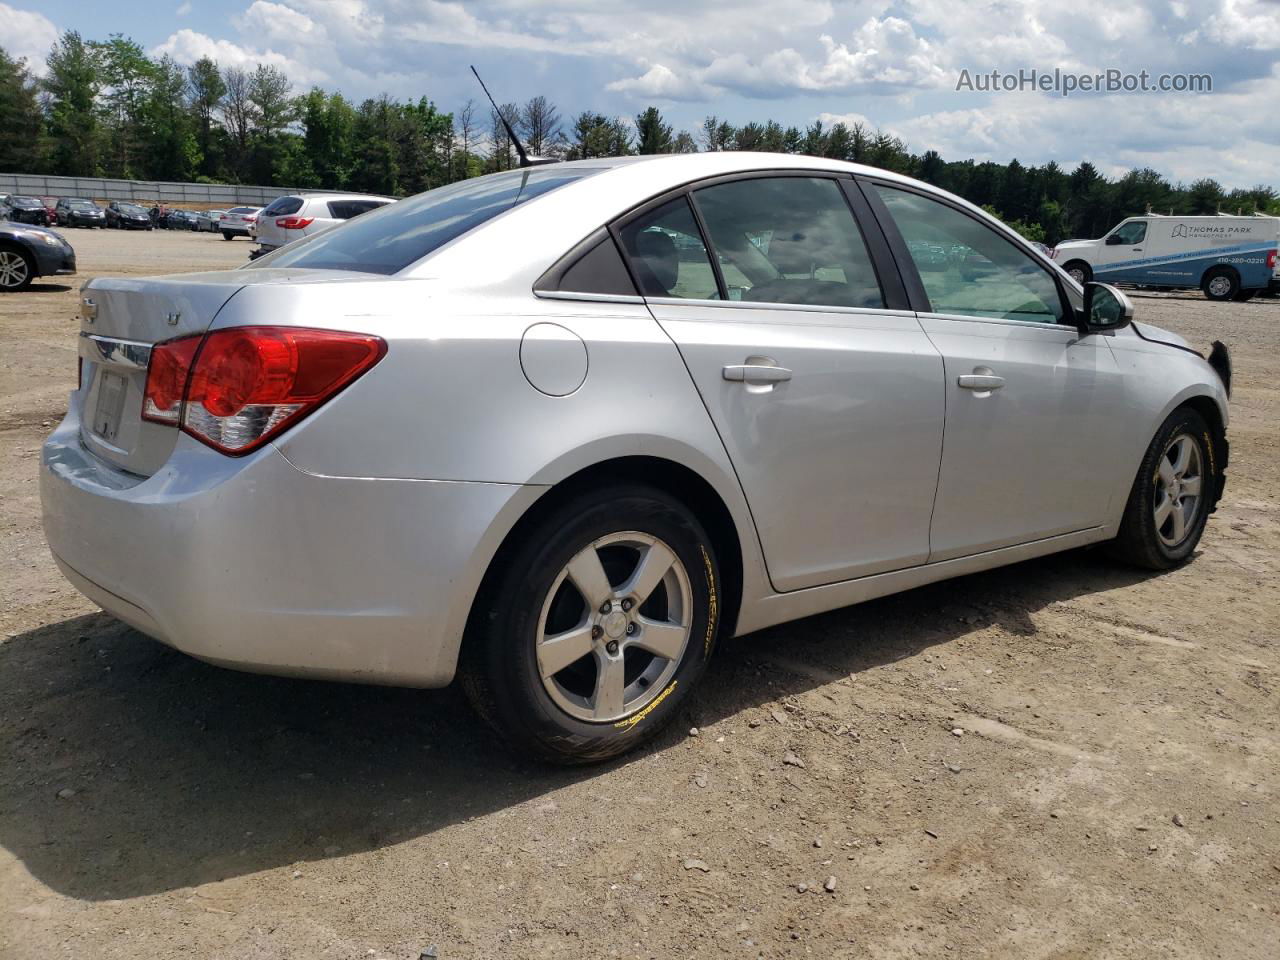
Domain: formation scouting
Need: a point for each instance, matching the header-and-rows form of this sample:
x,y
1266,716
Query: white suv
x,y
298,215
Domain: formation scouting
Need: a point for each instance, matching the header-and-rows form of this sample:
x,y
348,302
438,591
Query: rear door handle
x,y
756,373
979,381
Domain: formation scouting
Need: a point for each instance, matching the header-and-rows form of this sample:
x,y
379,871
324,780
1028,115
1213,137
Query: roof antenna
x,y
525,159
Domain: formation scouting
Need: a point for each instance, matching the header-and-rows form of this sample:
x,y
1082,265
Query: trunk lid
x,y
120,320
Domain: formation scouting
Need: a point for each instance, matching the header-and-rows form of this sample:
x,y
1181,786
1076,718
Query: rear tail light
x,y
294,223
1271,259
235,389
253,219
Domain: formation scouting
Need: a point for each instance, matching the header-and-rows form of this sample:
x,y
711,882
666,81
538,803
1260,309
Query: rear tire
x,y
1220,283
1171,496
226,234
637,635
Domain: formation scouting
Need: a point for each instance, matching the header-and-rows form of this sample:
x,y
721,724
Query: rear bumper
x,y
255,564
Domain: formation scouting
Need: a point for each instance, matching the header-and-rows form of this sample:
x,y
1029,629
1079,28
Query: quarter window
x,y
667,253
967,268
789,240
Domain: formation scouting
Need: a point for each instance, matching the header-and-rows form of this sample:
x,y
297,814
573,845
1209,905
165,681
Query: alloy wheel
x,y
1178,481
14,269
614,627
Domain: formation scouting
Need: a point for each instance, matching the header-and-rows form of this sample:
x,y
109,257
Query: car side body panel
x,y
415,474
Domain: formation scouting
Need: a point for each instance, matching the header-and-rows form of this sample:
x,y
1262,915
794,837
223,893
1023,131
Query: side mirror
x,y
1105,308
1113,240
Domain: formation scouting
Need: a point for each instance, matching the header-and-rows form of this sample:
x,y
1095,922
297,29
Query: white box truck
x,y
1229,258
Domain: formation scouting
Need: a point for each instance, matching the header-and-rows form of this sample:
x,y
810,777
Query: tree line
x,y
105,108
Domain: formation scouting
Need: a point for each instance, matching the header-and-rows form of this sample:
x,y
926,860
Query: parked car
x,y
301,215
1229,258
28,251
27,210
6,210
238,222
390,460
207,221
180,220
127,216
80,213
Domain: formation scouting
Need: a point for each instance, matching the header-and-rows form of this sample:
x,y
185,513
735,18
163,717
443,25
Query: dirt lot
x,y
1113,793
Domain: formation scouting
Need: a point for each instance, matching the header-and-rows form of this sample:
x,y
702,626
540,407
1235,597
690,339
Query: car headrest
x,y
657,251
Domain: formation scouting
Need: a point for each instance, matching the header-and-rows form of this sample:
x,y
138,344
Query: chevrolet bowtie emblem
x,y
173,318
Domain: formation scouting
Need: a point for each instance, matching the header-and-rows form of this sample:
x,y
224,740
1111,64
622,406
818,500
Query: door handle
x,y
979,381
756,373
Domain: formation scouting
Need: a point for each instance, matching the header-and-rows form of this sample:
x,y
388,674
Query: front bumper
x,y
52,261
254,564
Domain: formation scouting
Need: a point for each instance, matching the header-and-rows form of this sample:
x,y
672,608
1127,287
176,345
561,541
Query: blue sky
x,y
892,64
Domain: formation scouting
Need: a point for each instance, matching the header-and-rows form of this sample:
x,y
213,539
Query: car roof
x,y
610,187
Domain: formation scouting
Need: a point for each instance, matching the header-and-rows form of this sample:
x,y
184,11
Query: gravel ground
x,y
1059,759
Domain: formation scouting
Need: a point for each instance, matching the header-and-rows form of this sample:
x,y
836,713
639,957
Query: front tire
x,y
1171,496
17,269
1079,271
594,632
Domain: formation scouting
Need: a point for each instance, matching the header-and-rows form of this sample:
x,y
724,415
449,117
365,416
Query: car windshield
x,y
25,202
132,209
81,205
390,238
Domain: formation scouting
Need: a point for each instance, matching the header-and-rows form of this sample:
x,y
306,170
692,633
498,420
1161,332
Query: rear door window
x,y
668,255
789,240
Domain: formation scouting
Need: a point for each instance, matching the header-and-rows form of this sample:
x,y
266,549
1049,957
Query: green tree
x,y
173,146
328,135
271,111
72,84
653,135
1204,197
207,87
126,76
22,140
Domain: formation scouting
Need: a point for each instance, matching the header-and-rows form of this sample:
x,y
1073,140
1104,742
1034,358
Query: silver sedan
x,y
558,430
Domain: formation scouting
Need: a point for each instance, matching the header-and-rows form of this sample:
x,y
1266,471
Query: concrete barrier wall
x,y
207,195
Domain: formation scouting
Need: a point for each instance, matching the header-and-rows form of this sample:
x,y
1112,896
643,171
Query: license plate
x,y
112,389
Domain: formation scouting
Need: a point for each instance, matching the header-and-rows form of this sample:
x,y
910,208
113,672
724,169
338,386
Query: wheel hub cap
x,y
614,627
1178,484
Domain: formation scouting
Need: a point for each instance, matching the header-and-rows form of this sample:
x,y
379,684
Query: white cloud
x,y
28,34
188,46
895,61
183,9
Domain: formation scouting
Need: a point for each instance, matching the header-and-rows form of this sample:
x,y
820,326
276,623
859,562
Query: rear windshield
x,y
389,239
346,209
283,206
242,210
